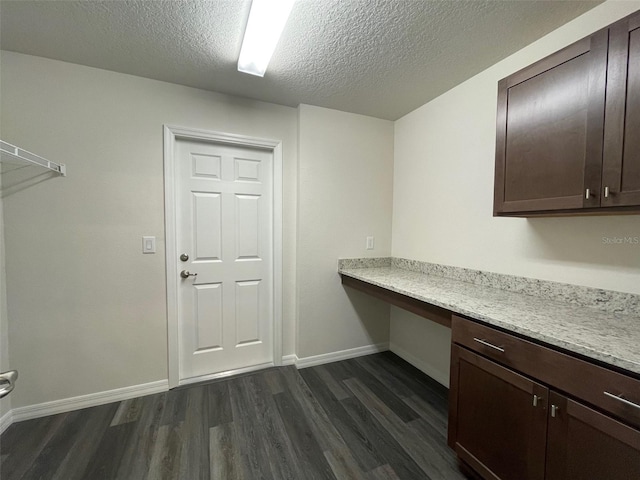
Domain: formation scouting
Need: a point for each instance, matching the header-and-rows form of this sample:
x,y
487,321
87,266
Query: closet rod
x,y
11,152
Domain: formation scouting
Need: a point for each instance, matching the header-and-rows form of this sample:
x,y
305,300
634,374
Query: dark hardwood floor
x,y
373,418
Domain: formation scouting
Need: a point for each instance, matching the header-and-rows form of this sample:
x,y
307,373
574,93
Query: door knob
x,y
187,274
184,257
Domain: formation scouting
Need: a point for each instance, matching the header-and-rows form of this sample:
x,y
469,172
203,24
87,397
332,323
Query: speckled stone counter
x,y
612,337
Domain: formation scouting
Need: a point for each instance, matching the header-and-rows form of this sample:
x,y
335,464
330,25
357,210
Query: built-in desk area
x,y
545,377
608,330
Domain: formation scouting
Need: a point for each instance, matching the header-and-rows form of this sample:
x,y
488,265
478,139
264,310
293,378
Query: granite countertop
x,y
609,337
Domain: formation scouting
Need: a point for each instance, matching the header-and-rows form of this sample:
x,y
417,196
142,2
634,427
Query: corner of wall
x,y
5,403
337,151
296,322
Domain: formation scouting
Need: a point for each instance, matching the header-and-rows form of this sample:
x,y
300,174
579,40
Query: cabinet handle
x,y
606,192
487,344
554,410
588,194
536,399
620,399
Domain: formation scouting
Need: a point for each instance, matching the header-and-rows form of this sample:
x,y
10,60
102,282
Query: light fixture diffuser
x,y
266,22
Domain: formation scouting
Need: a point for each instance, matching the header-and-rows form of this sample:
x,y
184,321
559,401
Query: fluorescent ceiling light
x,y
266,22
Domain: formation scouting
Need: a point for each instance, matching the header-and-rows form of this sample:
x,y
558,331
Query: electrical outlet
x,y
370,242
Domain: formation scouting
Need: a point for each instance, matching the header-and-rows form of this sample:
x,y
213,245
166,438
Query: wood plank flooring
x,y
370,418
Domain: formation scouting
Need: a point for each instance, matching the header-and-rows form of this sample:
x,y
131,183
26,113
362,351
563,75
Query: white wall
x,y
5,403
443,194
87,310
344,195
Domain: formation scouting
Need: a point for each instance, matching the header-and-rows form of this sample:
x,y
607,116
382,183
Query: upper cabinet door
x,y
549,131
621,164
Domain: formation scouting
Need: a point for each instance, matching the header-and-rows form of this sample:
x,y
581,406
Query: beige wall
x,y
344,195
443,194
5,403
87,309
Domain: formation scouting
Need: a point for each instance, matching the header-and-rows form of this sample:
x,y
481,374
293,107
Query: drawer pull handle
x,y
487,344
623,400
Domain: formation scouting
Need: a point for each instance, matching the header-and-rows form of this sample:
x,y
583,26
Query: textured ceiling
x,y
382,58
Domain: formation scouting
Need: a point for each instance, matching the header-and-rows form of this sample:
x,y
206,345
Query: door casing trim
x,y
172,133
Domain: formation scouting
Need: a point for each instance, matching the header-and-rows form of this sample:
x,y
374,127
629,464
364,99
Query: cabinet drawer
x,y
611,391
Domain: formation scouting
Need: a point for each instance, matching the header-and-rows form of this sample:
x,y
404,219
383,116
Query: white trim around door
x,y
171,135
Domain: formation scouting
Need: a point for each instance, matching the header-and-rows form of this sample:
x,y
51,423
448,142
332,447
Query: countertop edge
x,y
536,335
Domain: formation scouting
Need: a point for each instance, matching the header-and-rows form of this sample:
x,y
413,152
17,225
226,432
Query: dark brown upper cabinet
x,y
568,128
621,164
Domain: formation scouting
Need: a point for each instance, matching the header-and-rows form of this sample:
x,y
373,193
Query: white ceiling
x,y
382,58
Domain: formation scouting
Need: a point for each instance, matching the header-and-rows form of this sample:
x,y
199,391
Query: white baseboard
x,y
90,400
289,360
341,355
421,365
119,394
5,421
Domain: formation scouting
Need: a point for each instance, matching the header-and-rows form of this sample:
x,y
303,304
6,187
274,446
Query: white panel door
x,y
224,219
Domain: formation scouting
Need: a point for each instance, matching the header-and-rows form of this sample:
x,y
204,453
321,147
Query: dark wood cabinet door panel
x,y
584,444
621,163
571,375
553,106
549,131
521,410
498,431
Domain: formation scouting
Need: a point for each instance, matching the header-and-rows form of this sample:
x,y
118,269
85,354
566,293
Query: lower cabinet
x,y
585,444
500,433
507,425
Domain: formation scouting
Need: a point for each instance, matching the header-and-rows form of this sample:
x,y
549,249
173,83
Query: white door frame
x,y
171,135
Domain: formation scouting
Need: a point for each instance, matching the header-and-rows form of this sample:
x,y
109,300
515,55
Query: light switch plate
x,y
148,244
